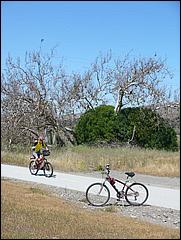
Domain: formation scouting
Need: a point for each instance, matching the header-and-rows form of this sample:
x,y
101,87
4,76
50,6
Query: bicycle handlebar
x,y
106,169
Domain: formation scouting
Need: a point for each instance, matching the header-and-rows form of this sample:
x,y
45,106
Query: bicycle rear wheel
x,y
33,167
136,194
97,194
48,169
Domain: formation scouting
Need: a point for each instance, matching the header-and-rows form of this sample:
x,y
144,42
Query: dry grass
x,y
27,213
160,163
82,158
16,158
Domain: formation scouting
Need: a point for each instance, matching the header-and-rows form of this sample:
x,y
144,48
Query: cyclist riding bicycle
x,y
39,146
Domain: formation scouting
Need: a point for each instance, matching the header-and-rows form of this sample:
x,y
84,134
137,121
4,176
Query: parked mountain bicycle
x,y
44,165
98,194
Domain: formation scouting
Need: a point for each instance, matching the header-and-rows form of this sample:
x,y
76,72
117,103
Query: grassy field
x,y
28,212
83,158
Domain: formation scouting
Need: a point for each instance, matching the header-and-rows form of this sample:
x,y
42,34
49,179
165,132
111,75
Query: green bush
x,y
96,125
152,131
103,124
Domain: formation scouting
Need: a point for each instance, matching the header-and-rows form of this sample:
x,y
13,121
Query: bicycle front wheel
x,y
33,167
48,169
136,194
97,194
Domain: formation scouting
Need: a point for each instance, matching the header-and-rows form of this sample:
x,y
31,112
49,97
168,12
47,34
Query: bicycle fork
x,y
102,187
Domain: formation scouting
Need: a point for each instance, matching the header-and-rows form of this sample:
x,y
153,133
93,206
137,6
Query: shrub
x,y
152,131
96,125
103,124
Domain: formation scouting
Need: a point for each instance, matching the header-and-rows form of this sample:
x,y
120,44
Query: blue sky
x,y
83,29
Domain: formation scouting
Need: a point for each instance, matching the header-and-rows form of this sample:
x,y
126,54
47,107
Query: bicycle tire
x,y
136,194
48,169
32,168
93,194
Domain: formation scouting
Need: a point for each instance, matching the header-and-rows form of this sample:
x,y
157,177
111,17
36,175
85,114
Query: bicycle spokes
x,y
48,169
97,194
136,194
33,167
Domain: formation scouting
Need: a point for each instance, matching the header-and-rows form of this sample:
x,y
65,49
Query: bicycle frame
x,y
112,181
42,160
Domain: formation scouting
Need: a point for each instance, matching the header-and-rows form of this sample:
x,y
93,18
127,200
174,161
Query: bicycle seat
x,y
130,174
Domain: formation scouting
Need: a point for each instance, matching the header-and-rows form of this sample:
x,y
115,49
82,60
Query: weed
x,y
111,209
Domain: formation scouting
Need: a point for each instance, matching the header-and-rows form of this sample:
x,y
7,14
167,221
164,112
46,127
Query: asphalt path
x,y
158,196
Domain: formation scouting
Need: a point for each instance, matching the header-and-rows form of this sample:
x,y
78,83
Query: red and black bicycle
x,y
44,165
98,194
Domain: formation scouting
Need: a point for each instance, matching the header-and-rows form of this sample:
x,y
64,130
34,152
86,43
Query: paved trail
x,y
158,196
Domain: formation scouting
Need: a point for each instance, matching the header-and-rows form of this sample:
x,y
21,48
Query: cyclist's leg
x,y
37,156
34,155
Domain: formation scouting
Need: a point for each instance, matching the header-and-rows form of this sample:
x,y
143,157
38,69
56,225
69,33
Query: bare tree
x,y
27,96
91,88
36,96
131,82
137,82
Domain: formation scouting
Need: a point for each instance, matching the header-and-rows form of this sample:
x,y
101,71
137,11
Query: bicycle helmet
x,y
40,138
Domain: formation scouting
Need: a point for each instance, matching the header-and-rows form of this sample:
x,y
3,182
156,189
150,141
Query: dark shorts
x,y
38,154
